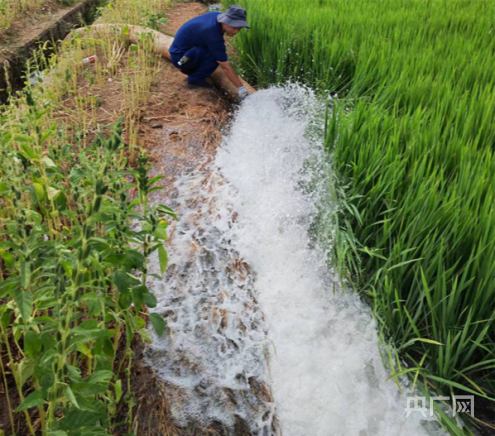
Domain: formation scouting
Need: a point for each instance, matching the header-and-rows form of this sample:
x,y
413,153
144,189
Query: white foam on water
x,y
248,296
328,377
214,353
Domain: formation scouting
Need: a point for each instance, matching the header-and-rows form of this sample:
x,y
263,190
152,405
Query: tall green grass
x,y
412,134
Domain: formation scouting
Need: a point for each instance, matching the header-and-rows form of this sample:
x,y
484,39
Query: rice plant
x,y
411,132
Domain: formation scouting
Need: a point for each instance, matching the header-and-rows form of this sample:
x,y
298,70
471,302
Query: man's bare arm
x,y
231,74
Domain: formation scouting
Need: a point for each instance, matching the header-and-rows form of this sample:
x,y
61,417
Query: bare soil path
x,y
28,27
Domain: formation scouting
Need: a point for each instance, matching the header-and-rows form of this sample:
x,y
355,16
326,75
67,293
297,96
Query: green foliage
x,y
412,138
73,279
149,13
153,20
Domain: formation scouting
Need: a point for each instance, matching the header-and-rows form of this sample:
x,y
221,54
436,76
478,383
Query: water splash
x,y
214,356
248,281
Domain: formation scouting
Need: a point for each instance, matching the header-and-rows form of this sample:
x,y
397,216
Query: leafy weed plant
x,y
73,272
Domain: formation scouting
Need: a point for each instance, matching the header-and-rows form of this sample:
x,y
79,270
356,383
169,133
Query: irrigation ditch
x,y
14,56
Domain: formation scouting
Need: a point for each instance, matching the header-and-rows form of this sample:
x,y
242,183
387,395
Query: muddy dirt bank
x,y
27,36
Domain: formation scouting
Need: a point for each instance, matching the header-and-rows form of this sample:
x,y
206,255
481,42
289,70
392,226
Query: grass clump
x,y
411,133
149,14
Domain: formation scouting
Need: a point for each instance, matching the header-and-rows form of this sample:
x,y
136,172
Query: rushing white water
x,y
253,277
214,354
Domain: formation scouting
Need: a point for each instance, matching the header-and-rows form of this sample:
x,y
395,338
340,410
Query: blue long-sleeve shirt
x,y
203,31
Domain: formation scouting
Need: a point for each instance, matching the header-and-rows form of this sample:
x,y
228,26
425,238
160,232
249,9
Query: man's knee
x,y
195,58
200,63
199,56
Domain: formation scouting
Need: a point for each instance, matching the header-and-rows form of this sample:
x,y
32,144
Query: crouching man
x,y
199,47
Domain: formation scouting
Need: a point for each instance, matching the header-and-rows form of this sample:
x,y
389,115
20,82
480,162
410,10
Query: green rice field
x,y
411,134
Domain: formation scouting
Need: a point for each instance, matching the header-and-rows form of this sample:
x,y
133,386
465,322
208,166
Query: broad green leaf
x,y
48,162
145,336
45,303
121,280
48,340
101,377
7,258
5,315
125,300
52,193
158,323
76,419
85,388
39,192
25,370
90,324
139,322
43,320
83,349
74,372
99,244
138,296
134,259
163,257
103,363
70,396
103,346
34,399
24,302
25,274
161,234
32,344
9,285
149,300
28,151
93,302
118,390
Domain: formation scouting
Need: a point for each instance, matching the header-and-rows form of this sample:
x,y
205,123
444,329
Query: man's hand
x,y
234,78
242,92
